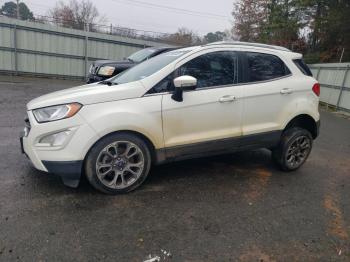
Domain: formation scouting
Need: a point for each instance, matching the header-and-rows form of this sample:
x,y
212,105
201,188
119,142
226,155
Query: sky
x,y
205,16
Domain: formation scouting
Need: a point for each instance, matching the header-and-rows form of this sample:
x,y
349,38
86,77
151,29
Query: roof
x,y
238,43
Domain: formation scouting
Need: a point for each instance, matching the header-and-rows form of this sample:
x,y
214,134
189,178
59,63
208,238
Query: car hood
x,y
89,94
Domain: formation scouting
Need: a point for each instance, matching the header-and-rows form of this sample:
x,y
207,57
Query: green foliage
x,y
281,25
320,28
24,12
10,9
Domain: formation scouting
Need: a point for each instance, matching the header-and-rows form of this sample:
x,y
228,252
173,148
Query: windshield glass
x,y
148,67
141,55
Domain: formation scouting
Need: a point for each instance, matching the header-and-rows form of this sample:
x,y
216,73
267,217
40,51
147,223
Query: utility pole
x,y
17,9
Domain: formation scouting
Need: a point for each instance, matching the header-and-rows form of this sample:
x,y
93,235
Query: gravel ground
x,y
237,207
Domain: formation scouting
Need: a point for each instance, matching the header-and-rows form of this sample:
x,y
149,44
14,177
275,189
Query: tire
x,y
118,163
293,150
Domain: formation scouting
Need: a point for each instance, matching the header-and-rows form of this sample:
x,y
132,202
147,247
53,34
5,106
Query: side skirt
x,y
218,147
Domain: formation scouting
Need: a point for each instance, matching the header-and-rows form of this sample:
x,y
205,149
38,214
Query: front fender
x,y
142,115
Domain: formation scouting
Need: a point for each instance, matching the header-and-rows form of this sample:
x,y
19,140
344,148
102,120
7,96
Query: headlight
x,y
106,70
52,113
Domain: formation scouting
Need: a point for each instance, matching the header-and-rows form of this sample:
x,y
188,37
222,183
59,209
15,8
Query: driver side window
x,y
212,69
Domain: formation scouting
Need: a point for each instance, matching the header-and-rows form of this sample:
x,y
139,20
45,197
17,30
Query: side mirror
x,y
182,83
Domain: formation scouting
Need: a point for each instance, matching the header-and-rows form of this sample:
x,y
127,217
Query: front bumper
x,y
69,171
65,160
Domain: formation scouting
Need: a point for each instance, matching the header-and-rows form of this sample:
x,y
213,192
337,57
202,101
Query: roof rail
x,y
250,44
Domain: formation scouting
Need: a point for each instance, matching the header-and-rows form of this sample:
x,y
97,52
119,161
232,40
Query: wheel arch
x,y
305,121
146,139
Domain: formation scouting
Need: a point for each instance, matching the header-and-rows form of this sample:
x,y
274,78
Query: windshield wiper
x,y
129,59
109,83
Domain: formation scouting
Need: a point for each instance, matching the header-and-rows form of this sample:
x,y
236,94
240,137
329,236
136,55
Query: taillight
x,y
316,89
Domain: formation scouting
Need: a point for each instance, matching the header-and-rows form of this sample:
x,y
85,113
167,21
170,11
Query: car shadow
x,y
216,169
246,161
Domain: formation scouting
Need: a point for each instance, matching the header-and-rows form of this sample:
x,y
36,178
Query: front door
x,y
209,117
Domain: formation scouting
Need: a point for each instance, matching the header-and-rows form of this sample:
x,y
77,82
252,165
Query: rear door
x,y
268,90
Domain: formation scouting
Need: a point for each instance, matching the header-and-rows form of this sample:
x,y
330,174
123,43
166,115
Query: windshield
x,y
148,67
141,55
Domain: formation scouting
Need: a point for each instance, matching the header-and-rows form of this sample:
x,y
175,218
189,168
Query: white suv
x,y
191,102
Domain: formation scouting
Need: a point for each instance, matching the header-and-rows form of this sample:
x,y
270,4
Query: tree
x,y
282,24
214,37
184,37
24,12
10,9
319,28
327,23
76,14
275,22
248,18
330,31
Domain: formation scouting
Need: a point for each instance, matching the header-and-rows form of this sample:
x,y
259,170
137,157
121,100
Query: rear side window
x,y
302,67
262,67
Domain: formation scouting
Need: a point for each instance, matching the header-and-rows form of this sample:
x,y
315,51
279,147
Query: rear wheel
x,y
294,148
118,163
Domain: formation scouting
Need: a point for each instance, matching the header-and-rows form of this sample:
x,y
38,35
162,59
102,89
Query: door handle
x,y
227,98
286,91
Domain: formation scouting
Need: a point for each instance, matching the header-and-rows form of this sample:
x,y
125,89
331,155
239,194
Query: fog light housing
x,y
56,139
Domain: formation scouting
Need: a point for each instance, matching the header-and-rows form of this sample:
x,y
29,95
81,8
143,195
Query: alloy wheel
x,y
298,151
120,164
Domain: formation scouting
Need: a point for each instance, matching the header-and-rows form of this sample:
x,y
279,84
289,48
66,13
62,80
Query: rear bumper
x,y
318,125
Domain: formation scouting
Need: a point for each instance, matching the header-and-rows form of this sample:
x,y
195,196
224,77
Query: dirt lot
x,y
237,207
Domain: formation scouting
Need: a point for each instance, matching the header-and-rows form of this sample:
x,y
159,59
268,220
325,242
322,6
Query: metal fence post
x,y
342,87
15,48
86,68
318,73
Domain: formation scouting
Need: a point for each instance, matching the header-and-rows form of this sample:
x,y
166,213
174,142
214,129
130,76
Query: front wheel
x,y
118,163
294,148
